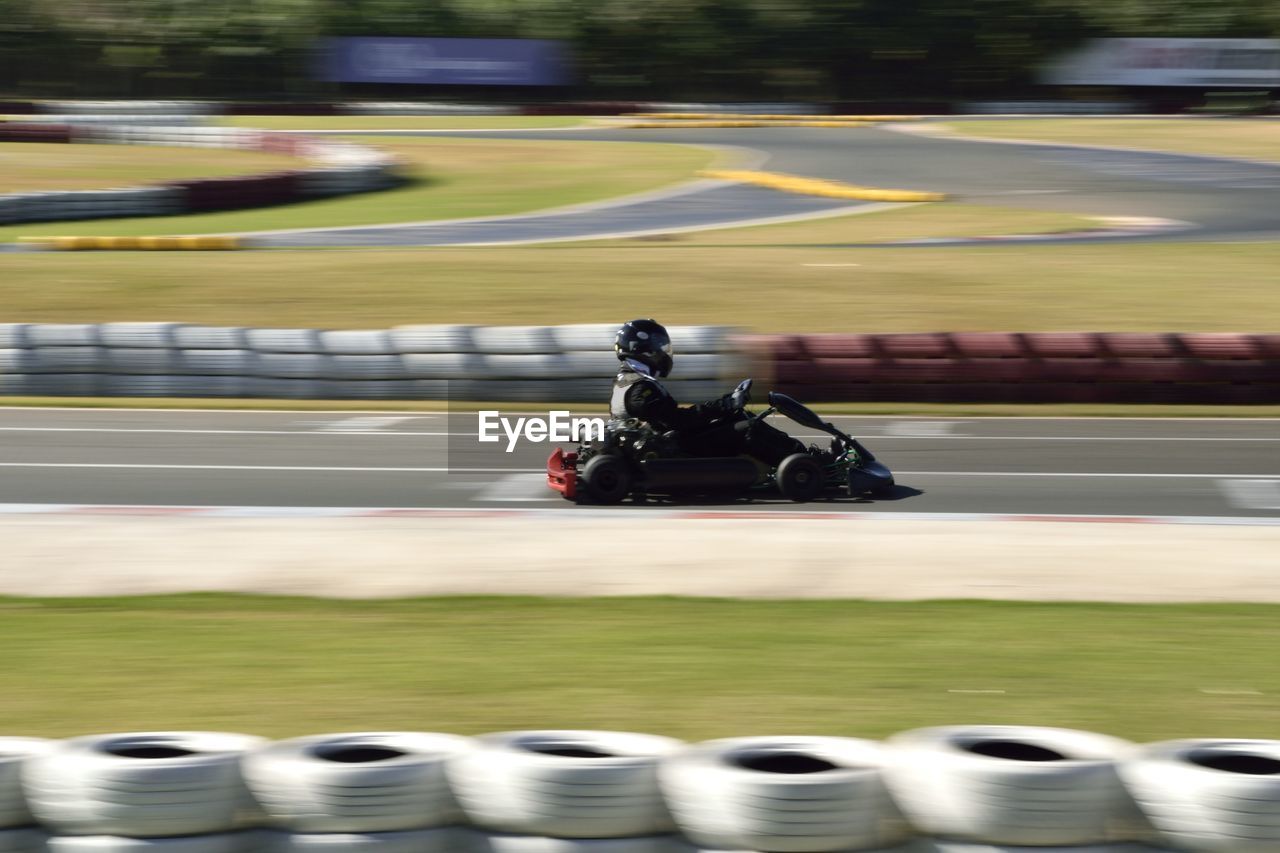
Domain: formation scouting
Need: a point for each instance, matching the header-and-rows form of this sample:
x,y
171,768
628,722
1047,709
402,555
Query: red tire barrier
x,y
916,345
1041,367
988,344
233,193
33,132
1141,345
1269,346
1063,344
1220,346
283,143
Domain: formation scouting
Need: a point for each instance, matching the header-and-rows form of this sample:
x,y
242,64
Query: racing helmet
x,y
647,342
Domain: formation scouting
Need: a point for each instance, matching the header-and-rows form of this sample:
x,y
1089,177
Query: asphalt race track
x,y
1202,468
1218,199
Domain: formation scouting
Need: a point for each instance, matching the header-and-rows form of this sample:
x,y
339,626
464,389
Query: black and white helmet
x,y
647,342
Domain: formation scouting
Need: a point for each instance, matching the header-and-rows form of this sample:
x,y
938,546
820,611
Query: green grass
x,y
1238,137
690,668
32,166
356,123
451,178
1191,287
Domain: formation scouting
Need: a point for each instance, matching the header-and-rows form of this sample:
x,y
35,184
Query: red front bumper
x,y
562,473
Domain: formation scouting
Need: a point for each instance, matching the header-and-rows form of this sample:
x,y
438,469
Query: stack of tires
x,y
565,792
1209,795
18,832
975,789
158,792
374,792
784,795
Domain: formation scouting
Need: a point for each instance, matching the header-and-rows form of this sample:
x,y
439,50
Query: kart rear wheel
x,y
800,477
606,479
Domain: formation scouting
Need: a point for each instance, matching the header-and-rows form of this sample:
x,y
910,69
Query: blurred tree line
x,y
666,49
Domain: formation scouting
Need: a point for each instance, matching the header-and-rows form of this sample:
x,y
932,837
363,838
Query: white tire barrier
x,y
511,364
433,339
580,365
567,784
444,840
92,204
63,384
783,794
935,846
229,842
14,752
26,840
514,340
127,108
15,361
141,785
536,366
442,365
357,342
357,783
136,120
141,385
62,335
334,168
139,335
589,337
1014,785
293,365
489,842
366,367
138,360
285,340
216,362
57,359
14,335
1210,795
211,337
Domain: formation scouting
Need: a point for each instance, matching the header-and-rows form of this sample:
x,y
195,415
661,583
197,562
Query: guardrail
x,y
951,789
573,363
1032,367
335,169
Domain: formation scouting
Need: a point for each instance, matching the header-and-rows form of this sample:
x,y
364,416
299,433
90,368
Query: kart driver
x,y
714,428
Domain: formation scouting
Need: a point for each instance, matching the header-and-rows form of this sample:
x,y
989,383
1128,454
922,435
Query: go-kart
x,y
634,460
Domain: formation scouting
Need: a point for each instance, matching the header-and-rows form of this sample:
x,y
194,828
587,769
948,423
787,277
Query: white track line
x,y
416,470
867,417
364,423
348,469
334,430
322,432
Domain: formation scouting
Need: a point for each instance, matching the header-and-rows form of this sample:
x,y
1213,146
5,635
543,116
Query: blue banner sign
x,y
457,62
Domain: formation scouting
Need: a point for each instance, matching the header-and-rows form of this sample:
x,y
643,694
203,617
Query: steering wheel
x,y
741,395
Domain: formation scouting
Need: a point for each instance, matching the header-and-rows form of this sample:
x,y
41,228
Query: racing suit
x,y
713,428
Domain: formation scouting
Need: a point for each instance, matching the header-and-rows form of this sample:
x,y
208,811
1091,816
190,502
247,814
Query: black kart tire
x,y
800,477
606,479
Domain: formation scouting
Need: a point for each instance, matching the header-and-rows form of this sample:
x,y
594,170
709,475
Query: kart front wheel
x,y
606,479
800,477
